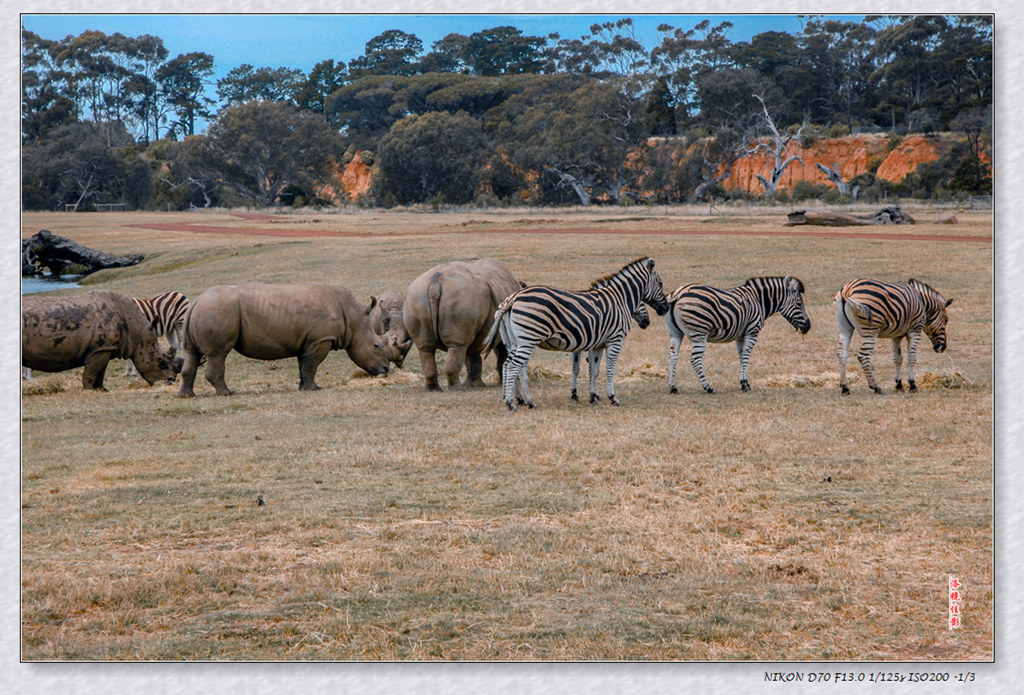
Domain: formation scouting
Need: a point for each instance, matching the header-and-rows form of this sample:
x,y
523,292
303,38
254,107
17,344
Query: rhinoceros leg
x,y
309,362
95,368
215,374
453,363
188,374
474,371
428,363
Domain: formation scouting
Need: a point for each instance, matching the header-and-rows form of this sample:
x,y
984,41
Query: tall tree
x,y
504,50
323,80
247,83
45,103
393,52
183,82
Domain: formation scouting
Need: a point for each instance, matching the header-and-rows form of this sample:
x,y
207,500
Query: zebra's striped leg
x,y
700,343
593,366
613,355
912,341
744,348
515,368
864,357
845,333
673,357
575,374
897,359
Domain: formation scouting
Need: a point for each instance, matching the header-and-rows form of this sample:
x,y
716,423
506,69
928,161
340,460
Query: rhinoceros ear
x,y
373,303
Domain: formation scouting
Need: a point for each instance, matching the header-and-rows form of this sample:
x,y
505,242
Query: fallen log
x,y
46,250
828,218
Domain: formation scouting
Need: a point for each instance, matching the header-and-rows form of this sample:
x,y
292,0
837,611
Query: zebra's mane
x,y
603,282
925,286
752,281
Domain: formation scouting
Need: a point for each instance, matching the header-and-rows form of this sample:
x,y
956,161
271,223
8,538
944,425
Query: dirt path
x,y
315,233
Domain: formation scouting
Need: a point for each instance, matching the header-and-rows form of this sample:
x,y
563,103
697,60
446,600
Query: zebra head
x,y
935,314
653,293
792,307
640,315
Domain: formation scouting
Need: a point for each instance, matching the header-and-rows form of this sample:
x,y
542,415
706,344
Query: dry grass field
x,y
787,523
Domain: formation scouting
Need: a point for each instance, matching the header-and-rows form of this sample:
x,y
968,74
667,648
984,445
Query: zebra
x,y
570,321
877,309
594,356
708,314
165,314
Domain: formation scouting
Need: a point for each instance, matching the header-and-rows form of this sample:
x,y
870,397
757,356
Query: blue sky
x,y
301,41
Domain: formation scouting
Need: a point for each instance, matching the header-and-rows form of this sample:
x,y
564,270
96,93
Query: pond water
x,y
32,285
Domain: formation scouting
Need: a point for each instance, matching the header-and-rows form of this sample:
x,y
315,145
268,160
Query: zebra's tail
x,y
496,328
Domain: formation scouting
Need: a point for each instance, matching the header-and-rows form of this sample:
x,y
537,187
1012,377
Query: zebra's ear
x,y
948,302
650,264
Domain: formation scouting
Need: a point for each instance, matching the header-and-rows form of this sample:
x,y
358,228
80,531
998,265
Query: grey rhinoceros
x,y
272,322
386,321
451,307
87,330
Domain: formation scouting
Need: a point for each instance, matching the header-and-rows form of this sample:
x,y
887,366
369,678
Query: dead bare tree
x,y
837,180
769,140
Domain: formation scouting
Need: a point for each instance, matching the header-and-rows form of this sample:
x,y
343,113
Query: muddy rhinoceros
x,y
451,307
87,330
386,321
272,322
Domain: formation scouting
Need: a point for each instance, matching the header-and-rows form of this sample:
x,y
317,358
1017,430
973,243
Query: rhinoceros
x,y
451,307
59,333
272,322
386,321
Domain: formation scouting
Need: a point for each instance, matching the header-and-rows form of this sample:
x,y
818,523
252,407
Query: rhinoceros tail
x,y
434,300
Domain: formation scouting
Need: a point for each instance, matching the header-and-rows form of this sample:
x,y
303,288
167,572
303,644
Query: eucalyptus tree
x,y
685,56
248,83
267,146
582,134
436,157
182,81
323,80
393,52
45,100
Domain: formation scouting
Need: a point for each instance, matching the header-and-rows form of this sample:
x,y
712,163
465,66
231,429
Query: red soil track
x,y
315,233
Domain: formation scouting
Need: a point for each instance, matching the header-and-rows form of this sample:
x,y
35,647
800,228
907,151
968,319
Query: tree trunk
x,y
47,250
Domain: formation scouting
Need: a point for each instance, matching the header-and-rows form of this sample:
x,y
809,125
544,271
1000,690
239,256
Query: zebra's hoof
x,y
899,385
531,405
594,398
615,401
878,389
511,405
744,386
845,390
574,396
673,390
913,387
709,389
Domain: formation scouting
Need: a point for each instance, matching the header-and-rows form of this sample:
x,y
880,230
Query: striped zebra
x,y
165,314
594,356
568,321
877,309
707,314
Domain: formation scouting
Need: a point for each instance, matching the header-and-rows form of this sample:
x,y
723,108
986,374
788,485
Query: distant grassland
x,y
787,523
